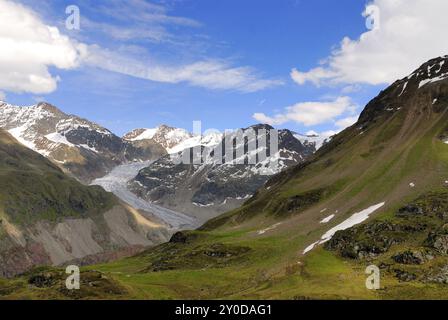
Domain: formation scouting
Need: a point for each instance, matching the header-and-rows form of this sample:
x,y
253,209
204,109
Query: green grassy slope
x,y
33,189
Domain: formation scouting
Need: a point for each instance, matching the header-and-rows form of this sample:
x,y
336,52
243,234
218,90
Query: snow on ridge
x,y
353,220
18,133
59,138
432,80
145,135
208,140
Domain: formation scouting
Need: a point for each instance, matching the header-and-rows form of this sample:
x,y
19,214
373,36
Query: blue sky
x,y
261,40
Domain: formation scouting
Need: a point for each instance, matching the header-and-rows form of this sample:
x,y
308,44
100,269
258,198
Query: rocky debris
x,y
412,257
438,241
404,276
439,276
365,241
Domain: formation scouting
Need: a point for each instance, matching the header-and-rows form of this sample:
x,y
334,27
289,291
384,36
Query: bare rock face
x,y
116,233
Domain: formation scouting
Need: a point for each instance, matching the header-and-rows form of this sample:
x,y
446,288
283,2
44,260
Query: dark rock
x,y
365,241
43,280
179,237
410,257
410,210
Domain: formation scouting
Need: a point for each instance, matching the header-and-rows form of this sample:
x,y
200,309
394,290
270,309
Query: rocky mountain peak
x,y
428,82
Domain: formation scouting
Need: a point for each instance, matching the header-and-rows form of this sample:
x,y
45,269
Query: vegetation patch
x,y
175,256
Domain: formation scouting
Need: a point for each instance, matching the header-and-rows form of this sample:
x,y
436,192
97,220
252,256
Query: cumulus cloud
x,y
410,32
211,74
310,113
28,48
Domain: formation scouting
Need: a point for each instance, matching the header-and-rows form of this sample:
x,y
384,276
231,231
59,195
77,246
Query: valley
x,y
374,195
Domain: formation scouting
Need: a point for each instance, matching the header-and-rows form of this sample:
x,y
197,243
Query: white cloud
x,y
310,113
346,122
211,74
410,33
141,11
135,20
28,48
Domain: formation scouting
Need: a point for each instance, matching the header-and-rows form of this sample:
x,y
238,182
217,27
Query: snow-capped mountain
x,y
167,137
315,140
215,185
79,146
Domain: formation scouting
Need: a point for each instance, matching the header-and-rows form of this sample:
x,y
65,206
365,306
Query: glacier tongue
x,y
116,182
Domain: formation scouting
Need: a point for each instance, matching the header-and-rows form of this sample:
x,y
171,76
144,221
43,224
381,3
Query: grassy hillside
x,y
33,189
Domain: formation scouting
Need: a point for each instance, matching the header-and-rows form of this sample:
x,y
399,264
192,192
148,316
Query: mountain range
x,y
54,212
214,186
93,155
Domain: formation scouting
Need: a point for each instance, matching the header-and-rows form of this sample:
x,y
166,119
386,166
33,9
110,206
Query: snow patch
x,y
355,219
59,138
404,88
260,232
